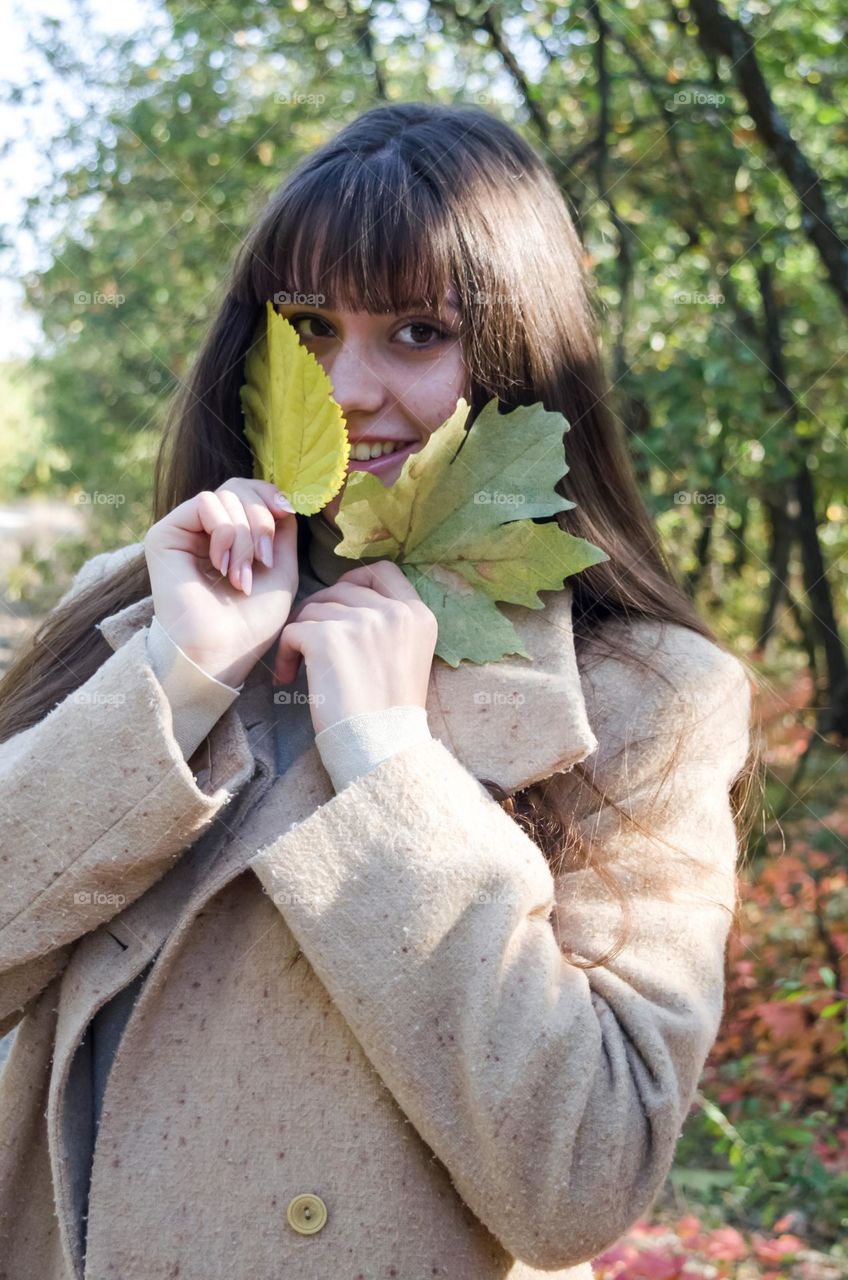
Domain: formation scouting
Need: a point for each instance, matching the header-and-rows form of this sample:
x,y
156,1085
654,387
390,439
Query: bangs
x,y
360,233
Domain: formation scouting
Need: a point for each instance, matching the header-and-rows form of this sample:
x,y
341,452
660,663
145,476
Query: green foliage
x,y
767,1163
29,462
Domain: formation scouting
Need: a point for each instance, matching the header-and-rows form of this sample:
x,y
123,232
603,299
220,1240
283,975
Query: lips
x,y
385,463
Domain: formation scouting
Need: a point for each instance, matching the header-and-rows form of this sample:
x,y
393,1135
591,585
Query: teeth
x,y
364,450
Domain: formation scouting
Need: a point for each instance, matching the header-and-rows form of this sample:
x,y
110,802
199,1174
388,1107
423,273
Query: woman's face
x,y
396,378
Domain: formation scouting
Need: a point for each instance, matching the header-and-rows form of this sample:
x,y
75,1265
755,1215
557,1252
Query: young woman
x,y
326,958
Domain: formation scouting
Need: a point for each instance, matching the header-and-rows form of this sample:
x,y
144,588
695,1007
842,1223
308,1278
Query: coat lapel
x,y
515,722
511,722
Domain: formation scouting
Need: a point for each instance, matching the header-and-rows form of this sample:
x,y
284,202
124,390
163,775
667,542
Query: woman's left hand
x,y
368,642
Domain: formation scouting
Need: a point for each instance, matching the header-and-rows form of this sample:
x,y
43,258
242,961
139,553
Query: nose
x,y
357,385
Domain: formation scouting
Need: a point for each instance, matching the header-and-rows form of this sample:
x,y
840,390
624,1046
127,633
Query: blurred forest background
x,y
703,150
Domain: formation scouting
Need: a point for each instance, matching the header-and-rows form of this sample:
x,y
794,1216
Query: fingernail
x,y
265,550
246,580
283,503
225,560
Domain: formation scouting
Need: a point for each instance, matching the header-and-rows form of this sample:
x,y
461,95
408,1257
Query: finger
x,y
323,611
207,514
383,576
200,522
261,516
262,491
295,637
203,527
179,539
240,570
274,498
347,592
289,652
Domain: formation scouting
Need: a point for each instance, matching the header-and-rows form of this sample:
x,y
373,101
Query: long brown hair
x,y
406,202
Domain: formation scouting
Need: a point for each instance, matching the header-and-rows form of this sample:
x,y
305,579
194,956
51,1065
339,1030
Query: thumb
x,y
288,656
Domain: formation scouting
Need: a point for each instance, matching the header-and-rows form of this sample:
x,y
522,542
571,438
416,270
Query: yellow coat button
x,y
307,1213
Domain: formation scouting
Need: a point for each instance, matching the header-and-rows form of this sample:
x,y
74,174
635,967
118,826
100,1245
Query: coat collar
x,y
513,722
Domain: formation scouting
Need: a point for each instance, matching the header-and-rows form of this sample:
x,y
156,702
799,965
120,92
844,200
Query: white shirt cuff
x,y
197,699
353,747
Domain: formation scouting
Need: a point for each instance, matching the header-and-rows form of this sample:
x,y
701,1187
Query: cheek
x,y
434,399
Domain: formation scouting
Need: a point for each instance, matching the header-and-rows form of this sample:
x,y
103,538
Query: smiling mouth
x,y
386,461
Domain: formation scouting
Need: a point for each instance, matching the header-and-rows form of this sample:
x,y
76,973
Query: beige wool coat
x,y
362,1052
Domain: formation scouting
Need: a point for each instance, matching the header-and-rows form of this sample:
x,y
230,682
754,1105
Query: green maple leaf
x,y
461,522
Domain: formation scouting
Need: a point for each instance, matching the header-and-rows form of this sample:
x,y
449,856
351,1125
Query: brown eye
x,y
316,320
428,330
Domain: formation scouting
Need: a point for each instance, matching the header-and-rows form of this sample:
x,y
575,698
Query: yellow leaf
x,y
293,425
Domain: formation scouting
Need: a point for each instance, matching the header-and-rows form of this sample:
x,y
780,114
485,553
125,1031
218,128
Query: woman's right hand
x,y
224,623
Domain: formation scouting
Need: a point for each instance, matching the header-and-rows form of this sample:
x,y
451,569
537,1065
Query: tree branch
x,y
718,34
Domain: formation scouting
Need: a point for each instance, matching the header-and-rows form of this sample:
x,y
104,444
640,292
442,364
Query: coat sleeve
x,y
553,1095
96,803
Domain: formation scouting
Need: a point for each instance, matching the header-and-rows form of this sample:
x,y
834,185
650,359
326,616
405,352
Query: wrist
x,y
223,667
232,673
